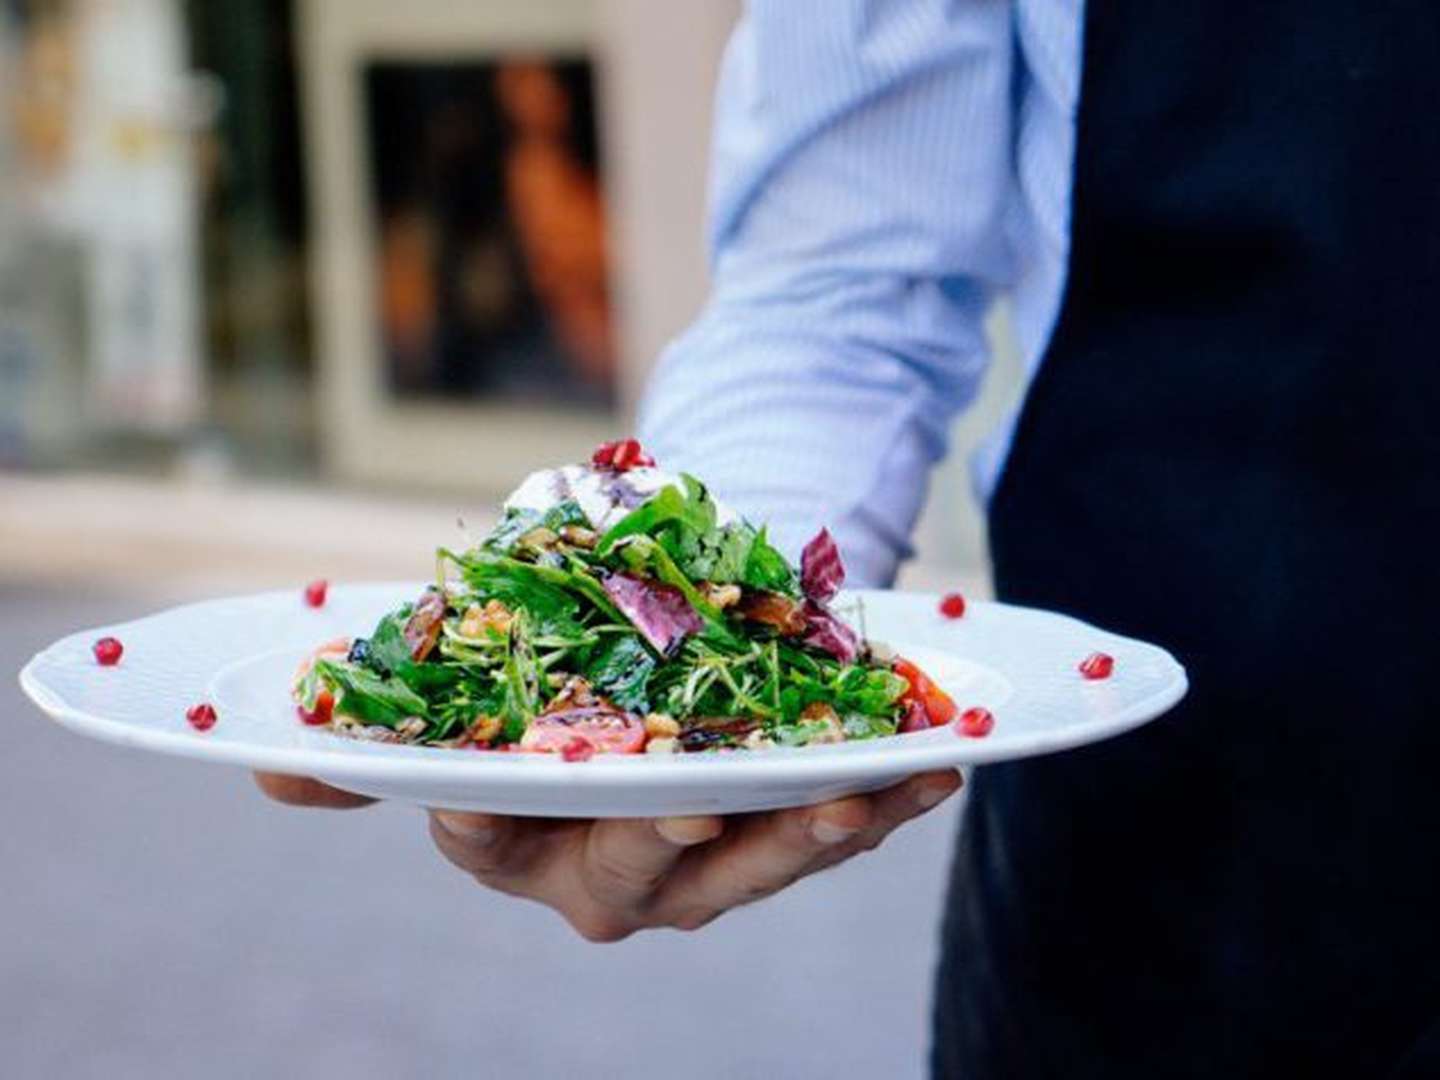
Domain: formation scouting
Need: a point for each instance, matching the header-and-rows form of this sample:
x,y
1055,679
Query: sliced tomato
x,y
939,705
323,712
608,731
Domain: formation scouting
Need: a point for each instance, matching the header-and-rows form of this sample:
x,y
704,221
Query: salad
x,y
617,608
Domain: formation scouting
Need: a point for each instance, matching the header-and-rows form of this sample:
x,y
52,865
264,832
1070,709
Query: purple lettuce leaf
x,y
826,631
822,571
659,611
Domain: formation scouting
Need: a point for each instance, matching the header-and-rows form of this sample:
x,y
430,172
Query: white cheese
x,y
604,496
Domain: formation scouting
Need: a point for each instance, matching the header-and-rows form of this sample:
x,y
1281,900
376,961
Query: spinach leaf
x,y
766,568
691,508
388,648
718,556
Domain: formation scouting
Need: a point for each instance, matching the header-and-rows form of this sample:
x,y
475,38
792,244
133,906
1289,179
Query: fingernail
x,y
468,827
933,794
827,832
687,832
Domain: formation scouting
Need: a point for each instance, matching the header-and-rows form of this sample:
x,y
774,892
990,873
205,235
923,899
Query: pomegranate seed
x,y
975,723
107,651
628,455
202,717
1097,665
321,714
621,456
315,592
952,605
577,749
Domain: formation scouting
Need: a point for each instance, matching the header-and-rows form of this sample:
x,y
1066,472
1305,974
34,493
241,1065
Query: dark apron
x,y
1231,449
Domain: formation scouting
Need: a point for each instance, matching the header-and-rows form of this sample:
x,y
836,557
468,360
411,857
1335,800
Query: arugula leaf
x,y
471,697
621,669
521,682
538,590
865,691
368,697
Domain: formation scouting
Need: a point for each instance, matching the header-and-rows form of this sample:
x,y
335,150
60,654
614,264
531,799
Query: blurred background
x,y
285,286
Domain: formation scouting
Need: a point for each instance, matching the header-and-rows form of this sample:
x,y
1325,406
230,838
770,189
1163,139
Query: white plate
x,y
240,654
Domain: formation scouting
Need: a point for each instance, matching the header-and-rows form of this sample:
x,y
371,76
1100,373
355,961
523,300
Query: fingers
x,y
489,846
762,856
774,850
599,875
626,860
303,791
892,808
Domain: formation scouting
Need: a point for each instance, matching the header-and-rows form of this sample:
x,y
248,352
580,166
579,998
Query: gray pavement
x,y
161,920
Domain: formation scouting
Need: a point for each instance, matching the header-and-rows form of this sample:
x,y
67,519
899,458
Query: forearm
x,y
805,414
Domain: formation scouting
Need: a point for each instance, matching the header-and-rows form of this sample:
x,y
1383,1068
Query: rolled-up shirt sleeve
x,y
861,169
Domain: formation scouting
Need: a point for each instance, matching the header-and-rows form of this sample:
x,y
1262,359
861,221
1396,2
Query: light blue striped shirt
x,y
882,171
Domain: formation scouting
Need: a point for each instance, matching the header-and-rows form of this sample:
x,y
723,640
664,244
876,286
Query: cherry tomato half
x,y
608,732
939,705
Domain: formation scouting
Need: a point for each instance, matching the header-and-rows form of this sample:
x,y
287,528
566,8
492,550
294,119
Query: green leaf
x,y
859,726
515,524
691,509
388,647
542,592
718,556
873,692
766,568
565,513
520,520
620,670
368,697
521,681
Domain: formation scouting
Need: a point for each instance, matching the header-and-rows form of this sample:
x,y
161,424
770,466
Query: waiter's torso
x,y
1232,449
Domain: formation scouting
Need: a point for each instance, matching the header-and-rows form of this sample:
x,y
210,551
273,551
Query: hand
x,y
609,878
